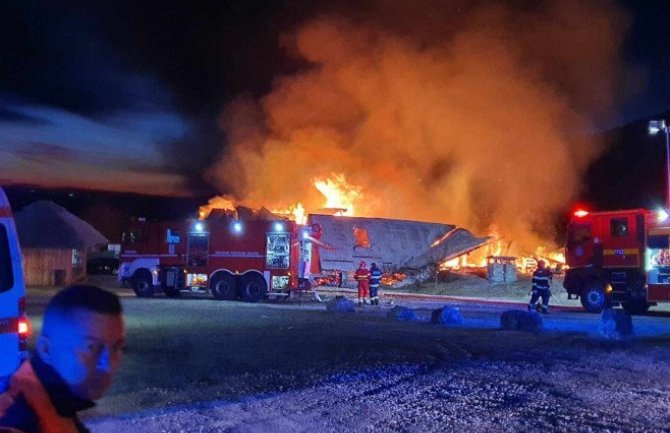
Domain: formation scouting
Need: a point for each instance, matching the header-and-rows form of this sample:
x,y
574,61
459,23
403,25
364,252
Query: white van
x,y
13,321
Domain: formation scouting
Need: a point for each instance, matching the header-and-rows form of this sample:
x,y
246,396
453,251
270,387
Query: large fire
x,y
463,119
340,197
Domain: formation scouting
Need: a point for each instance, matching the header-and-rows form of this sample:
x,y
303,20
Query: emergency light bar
x,y
581,213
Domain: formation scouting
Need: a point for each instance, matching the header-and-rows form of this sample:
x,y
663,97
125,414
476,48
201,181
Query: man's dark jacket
x,y
39,401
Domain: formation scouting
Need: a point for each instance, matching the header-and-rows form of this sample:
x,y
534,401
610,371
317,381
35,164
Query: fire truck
x,y
618,257
228,257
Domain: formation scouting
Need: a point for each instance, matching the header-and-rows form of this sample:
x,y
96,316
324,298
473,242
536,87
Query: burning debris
x,y
401,248
453,245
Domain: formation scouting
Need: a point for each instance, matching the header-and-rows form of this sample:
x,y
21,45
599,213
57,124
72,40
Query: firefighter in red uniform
x,y
362,276
541,287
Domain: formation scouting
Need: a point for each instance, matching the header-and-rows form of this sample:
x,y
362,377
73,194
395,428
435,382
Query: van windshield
x,y
6,274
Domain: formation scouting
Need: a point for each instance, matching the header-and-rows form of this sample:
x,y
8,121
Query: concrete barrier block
x,y
520,320
447,315
616,325
340,305
403,314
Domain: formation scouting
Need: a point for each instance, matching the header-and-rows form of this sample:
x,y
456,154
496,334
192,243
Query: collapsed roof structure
x,y
392,244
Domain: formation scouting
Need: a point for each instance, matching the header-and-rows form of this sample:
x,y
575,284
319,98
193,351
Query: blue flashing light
x,y
237,227
199,227
279,227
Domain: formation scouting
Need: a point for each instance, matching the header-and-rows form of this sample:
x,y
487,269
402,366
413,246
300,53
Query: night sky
x,y
129,95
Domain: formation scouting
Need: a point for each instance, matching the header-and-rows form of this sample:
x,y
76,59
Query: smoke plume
x,y
463,112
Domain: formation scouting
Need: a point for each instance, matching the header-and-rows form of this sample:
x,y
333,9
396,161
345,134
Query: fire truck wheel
x,y
253,288
224,287
143,284
593,297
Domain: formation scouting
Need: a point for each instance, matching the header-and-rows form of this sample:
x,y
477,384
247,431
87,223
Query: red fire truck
x,y
229,257
618,257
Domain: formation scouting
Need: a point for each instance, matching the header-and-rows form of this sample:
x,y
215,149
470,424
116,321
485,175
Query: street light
x,y
656,126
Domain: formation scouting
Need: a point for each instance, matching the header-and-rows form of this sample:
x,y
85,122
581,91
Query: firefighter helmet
x,y
362,264
540,264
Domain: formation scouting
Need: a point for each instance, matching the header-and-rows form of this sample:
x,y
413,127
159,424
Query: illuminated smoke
x,y
470,113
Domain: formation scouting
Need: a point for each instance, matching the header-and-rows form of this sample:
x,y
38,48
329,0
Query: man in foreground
x,y
77,354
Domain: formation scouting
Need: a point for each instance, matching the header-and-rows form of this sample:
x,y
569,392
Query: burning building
x,y
480,120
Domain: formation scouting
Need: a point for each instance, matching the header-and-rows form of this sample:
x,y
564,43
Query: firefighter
x,y
362,276
77,354
541,287
375,279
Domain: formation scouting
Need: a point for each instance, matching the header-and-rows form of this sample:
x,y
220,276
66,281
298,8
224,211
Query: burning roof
x,y
457,242
390,243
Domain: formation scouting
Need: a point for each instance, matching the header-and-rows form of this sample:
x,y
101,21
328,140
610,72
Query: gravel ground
x,y
198,365
475,397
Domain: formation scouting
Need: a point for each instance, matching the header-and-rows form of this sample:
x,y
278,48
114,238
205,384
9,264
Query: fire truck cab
x,y
618,257
231,258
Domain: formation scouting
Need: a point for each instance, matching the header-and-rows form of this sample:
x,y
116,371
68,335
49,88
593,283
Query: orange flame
x,y
339,193
216,202
499,247
296,212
